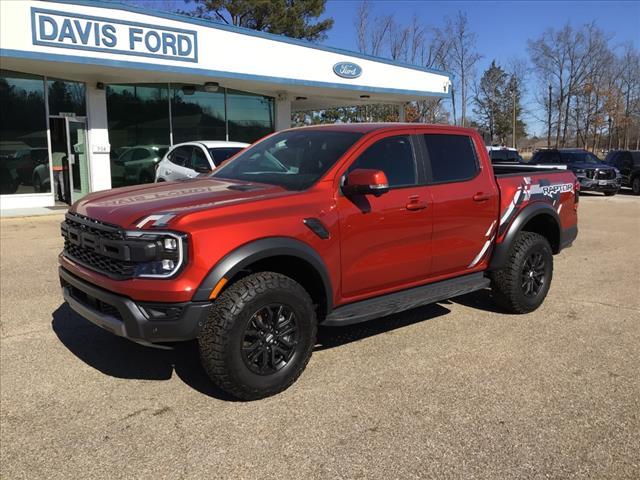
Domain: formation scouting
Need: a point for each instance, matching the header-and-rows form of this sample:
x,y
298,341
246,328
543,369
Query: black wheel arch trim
x,y
262,249
501,251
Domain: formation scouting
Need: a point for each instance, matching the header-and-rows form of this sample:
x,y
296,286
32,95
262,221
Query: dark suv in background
x,y
628,163
593,174
504,155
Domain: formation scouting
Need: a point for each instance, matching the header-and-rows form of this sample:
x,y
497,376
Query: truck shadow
x,y
480,300
331,337
121,358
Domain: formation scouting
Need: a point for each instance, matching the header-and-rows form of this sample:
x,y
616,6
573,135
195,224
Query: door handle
x,y
416,204
481,197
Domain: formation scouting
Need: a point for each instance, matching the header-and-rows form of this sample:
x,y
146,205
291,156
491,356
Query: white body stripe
x,y
490,228
512,205
480,255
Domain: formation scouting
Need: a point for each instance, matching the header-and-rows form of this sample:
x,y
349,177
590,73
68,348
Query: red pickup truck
x,y
327,225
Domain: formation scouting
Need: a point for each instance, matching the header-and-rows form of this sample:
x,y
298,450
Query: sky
x,y
502,27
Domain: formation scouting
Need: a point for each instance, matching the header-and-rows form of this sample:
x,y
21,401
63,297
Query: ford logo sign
x,y
347,70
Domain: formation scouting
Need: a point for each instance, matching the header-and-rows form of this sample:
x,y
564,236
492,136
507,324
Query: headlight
x,y
163,253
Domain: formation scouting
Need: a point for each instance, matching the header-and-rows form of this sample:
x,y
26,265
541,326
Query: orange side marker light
x,y
216,290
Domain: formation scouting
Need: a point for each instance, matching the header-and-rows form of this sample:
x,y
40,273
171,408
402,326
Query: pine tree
x,y
494,104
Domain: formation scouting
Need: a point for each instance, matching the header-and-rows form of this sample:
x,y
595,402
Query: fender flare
x,y
501,250
257,250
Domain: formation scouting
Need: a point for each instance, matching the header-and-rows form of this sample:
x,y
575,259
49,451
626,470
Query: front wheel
x,y
259,336
522,285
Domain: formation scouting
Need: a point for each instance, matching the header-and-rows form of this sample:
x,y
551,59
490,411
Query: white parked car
x,y
190,159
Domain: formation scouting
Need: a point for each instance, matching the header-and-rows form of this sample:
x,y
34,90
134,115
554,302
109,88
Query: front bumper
x,y
142,322
593,185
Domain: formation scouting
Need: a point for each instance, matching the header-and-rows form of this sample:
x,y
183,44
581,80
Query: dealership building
x,y
94,93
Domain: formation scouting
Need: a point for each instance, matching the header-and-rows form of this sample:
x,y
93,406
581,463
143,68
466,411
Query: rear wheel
x,y
259,336
635,185
522,285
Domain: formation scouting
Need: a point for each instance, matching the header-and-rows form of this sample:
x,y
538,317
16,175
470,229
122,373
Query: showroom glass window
x,y
138,118
250,116
66,98
196,114
23,134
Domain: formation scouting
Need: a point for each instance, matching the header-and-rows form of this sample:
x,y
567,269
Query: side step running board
x,y
405,300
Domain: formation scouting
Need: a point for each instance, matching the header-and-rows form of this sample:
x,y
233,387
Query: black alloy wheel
x,y
523,283
270,339
533,274
259,335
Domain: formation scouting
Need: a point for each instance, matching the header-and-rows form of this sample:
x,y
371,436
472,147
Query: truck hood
x,y
127,206
585,165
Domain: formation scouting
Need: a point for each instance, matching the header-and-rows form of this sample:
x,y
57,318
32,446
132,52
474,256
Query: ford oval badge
x,y
347,70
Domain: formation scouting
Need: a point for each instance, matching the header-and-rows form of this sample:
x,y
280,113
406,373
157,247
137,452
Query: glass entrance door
x,y
78,152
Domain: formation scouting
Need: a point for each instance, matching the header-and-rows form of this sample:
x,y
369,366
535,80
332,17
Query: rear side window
x,y
392,155
452,158
498,155
140,154
513,156
181,156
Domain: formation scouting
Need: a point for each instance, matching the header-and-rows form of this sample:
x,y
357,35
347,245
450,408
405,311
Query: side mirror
x,y
366,182
202,169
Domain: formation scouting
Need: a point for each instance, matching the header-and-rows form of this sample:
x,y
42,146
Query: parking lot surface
x,y
453,390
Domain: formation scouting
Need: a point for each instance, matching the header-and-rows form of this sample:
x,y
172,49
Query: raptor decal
x,y
527,191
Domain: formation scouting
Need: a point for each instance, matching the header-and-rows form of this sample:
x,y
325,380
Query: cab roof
x,y
372,127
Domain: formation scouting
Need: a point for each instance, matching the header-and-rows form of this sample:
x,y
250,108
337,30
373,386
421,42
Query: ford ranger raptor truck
x,y
327,225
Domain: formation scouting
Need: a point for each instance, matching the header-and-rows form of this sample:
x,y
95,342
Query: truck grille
x,y
590,172
122,254
95,245
605,174
98,262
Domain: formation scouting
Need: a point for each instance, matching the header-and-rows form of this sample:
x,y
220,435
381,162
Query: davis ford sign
x,y
347,70
98,34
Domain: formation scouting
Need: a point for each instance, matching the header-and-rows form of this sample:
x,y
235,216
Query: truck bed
x,y
504,169
521,185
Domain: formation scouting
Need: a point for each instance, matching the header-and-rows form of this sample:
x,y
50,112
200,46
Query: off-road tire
x,y
221,337
507,283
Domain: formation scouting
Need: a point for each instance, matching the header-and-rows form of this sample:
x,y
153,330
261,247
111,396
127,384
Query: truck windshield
x,y
294,160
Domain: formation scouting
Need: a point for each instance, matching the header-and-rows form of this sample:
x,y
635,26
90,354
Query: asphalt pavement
x,y
454,390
